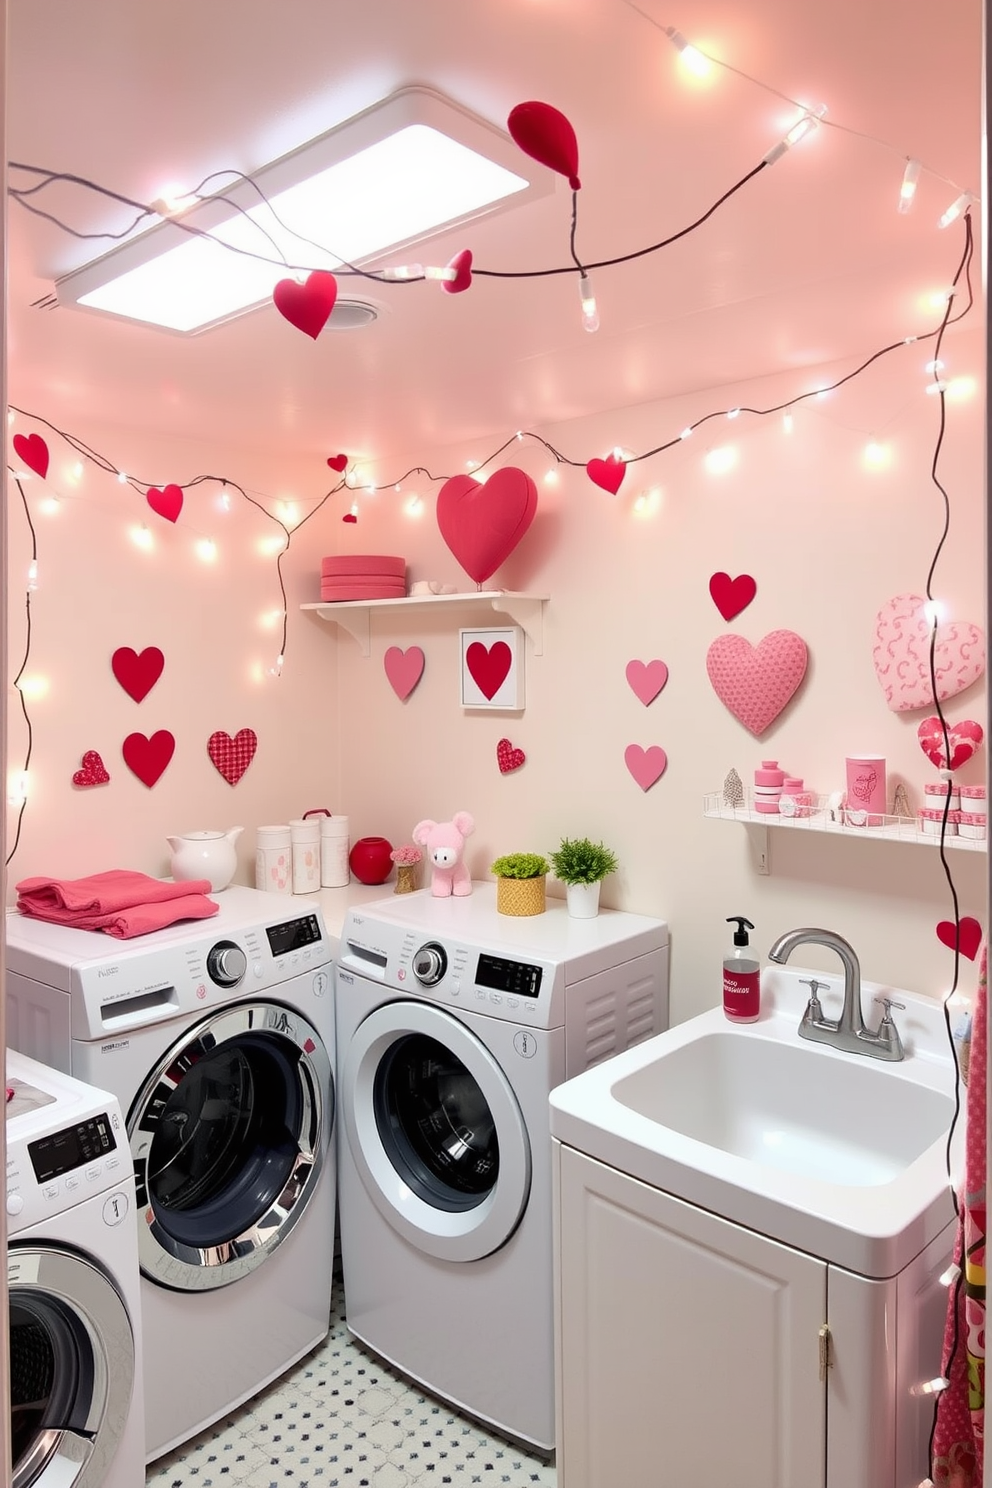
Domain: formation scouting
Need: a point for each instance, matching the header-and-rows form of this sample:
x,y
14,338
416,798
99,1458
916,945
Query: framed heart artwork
x,y
492,668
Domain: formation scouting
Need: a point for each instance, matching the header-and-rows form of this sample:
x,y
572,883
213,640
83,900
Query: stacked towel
x,y
121,902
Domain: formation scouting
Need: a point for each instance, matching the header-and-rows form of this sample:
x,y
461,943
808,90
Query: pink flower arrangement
x,y
407,854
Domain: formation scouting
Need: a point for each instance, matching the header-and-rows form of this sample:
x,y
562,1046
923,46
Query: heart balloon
x,y
33,451
963,739
461,267
482,523
307,306
167,503
608,474
543,133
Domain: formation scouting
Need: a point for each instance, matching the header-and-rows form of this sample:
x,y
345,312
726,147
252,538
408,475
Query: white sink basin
x,y
838,1154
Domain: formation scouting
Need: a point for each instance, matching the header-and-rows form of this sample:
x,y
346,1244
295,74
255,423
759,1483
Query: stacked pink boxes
x,y
362,576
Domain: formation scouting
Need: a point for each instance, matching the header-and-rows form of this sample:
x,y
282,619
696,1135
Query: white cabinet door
x,y
687,1347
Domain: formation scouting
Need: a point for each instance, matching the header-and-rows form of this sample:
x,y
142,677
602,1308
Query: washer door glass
x,y
229,1136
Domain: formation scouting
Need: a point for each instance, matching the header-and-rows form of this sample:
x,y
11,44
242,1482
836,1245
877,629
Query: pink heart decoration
x,y
232,757
33,450
965,739
732,595
756,682
901,654
404,669
489,666
966,936
147,758
646,679
544,133
646,765
508,758
94,771
338,462
482,523
307,306
608,474
462,266
168,503
137,672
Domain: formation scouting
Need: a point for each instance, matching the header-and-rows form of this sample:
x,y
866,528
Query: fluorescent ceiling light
x,y
395,175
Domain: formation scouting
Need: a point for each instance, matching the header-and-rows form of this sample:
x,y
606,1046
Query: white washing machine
x,y
217,1037
72,1270
454,1023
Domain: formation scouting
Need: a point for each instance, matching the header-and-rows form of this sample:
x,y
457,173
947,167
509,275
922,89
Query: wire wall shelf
x,y
820,817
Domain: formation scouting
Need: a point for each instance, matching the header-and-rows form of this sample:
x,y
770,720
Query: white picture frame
x,y
492,677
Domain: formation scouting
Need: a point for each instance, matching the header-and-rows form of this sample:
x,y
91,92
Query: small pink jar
x,y
795,799
973,824
768,782
937,791
931,822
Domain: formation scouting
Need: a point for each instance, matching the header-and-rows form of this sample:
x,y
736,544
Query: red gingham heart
x,y
507,757
232,757
94,771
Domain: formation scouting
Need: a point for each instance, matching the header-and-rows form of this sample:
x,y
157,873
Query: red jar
x,y
370,861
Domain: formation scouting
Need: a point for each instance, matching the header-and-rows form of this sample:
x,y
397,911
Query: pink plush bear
x,y
444,842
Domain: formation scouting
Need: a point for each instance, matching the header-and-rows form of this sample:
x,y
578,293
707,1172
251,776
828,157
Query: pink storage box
x,y
931,820
973,824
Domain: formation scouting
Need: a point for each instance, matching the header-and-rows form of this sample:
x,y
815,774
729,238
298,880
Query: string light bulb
x,y
959,205
206,550
788,423
32,576
692,59
931,1387
142,538
590,315
406,271
551,477
17,787
949,1277
799,131
122,477
276,671
907,190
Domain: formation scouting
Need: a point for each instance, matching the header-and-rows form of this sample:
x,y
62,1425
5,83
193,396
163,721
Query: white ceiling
x,y
810,262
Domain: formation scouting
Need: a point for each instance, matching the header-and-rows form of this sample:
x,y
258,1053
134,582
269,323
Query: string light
x,y
733,413
590,315
33,687
686,432
721,459
414,506
142,538
49,505
122,477
931,1387
959,205
288,511
876,455
551,477
206,550
934,611
936,387
935,366
32,577
799,131
405,271
787,423
448,275
691,58
276,671
907,190
949,1277
17,787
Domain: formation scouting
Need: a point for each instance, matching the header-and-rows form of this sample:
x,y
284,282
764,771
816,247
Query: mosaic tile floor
x,y
342,1419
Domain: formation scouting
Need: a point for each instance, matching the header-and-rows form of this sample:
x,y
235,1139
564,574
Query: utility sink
x,y
838,1154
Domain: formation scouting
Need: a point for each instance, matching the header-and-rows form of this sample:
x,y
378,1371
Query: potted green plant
x,y
582,864
520,883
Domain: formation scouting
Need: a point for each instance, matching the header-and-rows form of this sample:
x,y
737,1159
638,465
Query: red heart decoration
x,y
232,756
167,503
756,682
307,306
608,474
338,462
489,666
147,758
33,451
482,524
732,595
94,771
646,679
349,517
404,669
964,739
508,758
966,935
462,265
137,673
543,133
646,765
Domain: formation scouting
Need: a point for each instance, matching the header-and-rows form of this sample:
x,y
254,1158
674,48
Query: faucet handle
x,y
888,1004
814,1009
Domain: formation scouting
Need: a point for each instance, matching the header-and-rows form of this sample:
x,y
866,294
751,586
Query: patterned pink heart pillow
x,y
901,654
756,682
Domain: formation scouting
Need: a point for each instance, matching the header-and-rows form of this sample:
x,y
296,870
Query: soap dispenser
x,y
741,977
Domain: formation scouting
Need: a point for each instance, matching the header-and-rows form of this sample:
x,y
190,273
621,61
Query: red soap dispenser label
x,y
741,994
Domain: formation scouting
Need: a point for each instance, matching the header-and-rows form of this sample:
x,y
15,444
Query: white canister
x,y
334,870
305,837
274,859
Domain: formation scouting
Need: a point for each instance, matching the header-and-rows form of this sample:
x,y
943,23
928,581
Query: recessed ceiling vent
x,y
351,315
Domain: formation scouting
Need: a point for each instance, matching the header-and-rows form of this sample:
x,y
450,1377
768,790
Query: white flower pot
x,y
582,900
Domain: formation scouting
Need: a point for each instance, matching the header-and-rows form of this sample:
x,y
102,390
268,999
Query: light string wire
x,y
20,672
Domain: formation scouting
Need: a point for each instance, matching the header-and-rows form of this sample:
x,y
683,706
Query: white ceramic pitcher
x,y
210,855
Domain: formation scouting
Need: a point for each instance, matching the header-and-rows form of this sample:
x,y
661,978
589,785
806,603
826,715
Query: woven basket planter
x,y
520,896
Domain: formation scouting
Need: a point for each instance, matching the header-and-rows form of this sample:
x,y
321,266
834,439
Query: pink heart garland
x,y
137,672
489,666
307,306
168,502
965,739
732,595
33,450
646,679
94,771
231,757
646,765
462,266
338,462
901,654
482,523
147,758
508,758
756,682
404,669
608,474
966,935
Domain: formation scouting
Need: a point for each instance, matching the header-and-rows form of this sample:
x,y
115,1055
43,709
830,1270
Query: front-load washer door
x,y
229,1135
435,1131
71,1367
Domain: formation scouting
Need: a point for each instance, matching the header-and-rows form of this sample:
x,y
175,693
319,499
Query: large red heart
x,y
732,595
147,758
94,771
608,474
646,765
461,266
489,666
756,682
168,503
232,756
508,758
404,669
33,451
902,654
964,739
307,306
646,679
137,672
966,935
482,524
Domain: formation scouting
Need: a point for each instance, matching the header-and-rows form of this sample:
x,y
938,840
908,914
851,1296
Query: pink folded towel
x,y
100,894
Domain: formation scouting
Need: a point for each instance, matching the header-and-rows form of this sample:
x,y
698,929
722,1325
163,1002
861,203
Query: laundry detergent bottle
x,y
741,977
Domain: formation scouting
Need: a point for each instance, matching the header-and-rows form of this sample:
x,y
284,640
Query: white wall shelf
x,y
354,615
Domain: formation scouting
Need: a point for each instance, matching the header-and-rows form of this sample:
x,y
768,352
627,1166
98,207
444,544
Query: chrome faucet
x,y
848,1032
